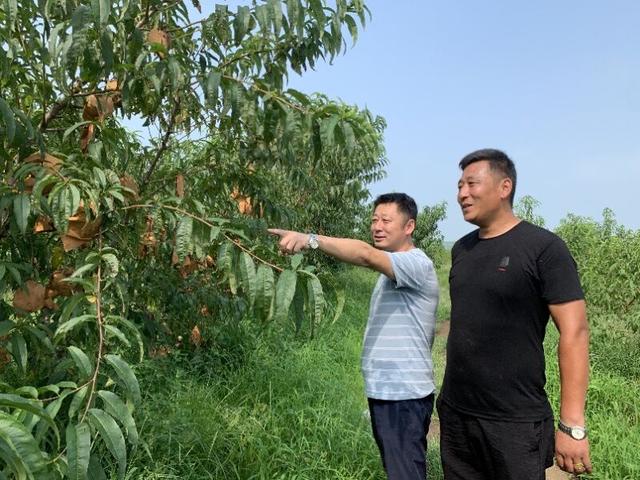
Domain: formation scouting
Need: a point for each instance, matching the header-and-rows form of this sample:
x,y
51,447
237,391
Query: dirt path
x,y
553,473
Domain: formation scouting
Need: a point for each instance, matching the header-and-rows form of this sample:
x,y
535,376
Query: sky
x,y
555,84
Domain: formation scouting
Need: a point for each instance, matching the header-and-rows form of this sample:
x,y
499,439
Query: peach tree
x,y
110,242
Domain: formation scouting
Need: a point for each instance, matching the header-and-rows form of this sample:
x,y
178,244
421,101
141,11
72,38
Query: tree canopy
x,y
111,244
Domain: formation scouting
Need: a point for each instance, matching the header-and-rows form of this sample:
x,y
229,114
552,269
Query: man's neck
x,y
502,224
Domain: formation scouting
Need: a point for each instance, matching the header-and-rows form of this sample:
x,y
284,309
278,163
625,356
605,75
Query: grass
x,y
291,410
286,409
613,405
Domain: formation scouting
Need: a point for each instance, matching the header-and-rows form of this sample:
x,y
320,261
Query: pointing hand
x,y
290,241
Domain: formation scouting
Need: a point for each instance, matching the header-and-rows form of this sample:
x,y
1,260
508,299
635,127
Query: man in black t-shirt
x,y
507,277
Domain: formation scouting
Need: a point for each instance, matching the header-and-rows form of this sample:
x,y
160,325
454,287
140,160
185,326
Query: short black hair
x,y
498,162
405,203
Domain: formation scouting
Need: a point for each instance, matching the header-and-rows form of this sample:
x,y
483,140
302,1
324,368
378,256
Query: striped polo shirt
x,y
396,358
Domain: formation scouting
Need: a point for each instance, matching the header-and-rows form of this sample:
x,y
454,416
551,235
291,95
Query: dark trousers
x,y
400,429
475,448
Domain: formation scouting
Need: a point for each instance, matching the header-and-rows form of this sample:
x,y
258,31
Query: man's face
x,y
390,228
481,193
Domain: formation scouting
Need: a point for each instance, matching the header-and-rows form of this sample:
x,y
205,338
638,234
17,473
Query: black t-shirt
x,y
500,291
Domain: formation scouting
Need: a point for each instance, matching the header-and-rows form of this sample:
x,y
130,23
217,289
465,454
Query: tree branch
x,y
163,146
57,107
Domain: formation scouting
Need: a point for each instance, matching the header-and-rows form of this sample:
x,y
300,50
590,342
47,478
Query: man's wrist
x,y
577,432
312,241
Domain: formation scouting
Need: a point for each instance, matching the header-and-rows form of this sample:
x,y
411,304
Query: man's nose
x,y
463,192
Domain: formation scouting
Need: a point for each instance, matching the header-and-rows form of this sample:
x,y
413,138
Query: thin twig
x,y
100,321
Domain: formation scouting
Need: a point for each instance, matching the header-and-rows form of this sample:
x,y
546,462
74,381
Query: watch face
x,y
577,433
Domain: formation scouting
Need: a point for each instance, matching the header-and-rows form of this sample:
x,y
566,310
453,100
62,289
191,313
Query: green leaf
x,y
73,127
298,307
69,306
106,49
82,270
66,327
213,83
316,298
126,376
40,185
19,351
118,410
248,274
353,27
241,23
101,11
27,390
73,199
296,260
21,211
225,264
78,400
18,440
8,119
117,319
262,15
81,360
327,130
183,236
52,410
112,261
112,436
40,335
96,472
78,450
285,290
27,405
265,290
14,463
7,325
276,9
116,332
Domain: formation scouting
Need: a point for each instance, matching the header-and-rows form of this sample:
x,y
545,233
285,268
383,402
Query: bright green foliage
x,y
428,236
608,256
109,247
525,209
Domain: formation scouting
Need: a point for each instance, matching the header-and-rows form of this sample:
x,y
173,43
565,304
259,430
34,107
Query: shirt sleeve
x,y
559,274
410,269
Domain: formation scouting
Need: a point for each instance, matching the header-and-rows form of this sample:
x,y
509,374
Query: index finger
x,y
276,231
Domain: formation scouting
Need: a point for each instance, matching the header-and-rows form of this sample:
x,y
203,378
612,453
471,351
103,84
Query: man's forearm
x,y
347,250
573,357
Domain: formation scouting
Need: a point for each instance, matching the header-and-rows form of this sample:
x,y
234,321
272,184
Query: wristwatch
x,y
577,433
312,243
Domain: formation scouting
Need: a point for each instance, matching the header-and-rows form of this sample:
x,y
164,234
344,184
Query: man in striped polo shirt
x,y
396,357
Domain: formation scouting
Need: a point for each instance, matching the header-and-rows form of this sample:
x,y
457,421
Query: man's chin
x,y
382,246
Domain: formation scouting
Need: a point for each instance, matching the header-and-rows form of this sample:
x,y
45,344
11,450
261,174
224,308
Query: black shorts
x,y
400,429
475,448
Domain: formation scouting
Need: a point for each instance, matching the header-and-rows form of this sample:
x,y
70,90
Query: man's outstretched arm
x,y
349,250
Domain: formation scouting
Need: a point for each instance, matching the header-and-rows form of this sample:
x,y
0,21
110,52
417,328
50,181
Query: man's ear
x,y
410,226
506,187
